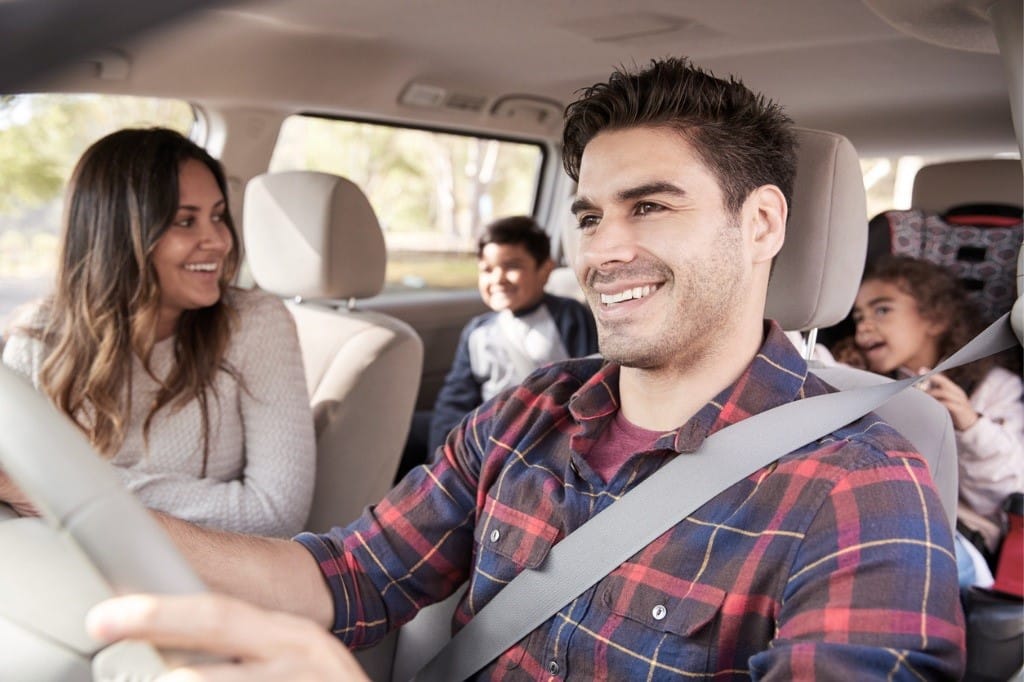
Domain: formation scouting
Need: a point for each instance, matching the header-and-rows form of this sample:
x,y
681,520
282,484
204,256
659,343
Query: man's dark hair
x,y
744,139
518,229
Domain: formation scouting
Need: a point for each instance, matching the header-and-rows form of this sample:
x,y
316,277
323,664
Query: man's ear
x,y
766,209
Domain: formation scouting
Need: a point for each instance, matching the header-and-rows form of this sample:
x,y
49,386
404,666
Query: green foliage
x,y
42,136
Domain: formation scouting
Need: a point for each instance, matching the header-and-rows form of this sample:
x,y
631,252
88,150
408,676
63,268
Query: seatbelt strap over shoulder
x,y
665,498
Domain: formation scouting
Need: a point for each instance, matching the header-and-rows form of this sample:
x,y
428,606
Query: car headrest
x,y
817,272
941,186
312,235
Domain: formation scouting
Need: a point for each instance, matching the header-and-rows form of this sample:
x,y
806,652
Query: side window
x,y
41,138
432,191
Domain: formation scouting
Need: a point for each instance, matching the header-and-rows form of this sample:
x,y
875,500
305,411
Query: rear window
x,y
889,181
41,138
432,191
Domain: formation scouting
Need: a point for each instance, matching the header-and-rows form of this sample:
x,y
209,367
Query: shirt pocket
x,y
516,539
507,541
668,620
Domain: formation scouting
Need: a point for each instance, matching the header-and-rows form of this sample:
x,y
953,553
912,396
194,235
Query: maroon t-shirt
x,y
616,445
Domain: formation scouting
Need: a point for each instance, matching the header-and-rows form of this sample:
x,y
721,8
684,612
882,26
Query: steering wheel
x,y
93,540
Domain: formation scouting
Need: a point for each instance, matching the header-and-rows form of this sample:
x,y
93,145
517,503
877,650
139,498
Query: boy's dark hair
x,y
517,230
744,139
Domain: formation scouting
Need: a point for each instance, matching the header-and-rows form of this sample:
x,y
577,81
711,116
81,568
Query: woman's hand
x,y
265,645
12,495
953,399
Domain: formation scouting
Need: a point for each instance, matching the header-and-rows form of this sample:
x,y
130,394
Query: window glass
x,y
41,138
432,191
890,181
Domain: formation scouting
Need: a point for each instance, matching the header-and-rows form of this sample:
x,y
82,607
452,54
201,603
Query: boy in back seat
x,y
526,329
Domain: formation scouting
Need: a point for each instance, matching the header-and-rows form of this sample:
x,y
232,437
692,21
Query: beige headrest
x,y
313,235
817,272
941,186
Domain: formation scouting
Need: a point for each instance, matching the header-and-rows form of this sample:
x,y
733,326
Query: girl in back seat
x,y
193,388
910,314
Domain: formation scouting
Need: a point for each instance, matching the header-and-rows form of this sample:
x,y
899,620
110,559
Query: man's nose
x,y
612,241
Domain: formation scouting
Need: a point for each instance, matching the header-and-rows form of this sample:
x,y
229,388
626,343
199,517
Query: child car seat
x,y
966,216
977,242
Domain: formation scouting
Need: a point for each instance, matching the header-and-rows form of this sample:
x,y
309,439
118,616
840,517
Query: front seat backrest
x,y
314,238
816,278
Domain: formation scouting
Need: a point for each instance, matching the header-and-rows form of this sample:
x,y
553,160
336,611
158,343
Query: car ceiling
x,y
834,64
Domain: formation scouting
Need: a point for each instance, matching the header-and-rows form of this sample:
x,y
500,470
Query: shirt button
x,y
659,612
553,667
495,535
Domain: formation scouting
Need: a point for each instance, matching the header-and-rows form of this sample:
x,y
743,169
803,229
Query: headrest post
x,y
809,343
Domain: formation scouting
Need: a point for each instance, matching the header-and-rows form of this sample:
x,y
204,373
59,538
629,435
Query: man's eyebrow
x,y
632,194
881,299
648,189
581,204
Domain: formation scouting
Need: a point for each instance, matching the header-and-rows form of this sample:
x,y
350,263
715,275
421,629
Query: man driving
x,y
835,561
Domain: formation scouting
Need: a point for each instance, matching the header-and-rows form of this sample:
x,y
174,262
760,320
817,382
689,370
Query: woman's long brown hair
x,y
122,197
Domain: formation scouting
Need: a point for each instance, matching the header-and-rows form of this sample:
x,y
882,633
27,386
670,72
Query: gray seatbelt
x,y
661,501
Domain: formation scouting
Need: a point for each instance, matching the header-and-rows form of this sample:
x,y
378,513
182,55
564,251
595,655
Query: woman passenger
x,y
193,388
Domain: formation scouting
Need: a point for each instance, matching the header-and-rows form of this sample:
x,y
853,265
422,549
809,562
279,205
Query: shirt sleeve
x,y
17,355
412,550
274,492
991,451
21,352
872,592
459,395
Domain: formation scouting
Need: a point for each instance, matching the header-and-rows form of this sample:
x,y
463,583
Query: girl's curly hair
x,y
940,298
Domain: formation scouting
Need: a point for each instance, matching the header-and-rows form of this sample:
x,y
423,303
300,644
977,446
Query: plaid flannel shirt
x,y
835,562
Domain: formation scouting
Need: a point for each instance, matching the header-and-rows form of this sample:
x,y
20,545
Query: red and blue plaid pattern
x,y
835,562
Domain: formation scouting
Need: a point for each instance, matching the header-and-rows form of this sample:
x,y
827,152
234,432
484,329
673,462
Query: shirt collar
x,y
776,376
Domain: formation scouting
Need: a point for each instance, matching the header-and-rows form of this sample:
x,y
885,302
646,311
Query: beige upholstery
x,y
314,236
939,187
818,271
